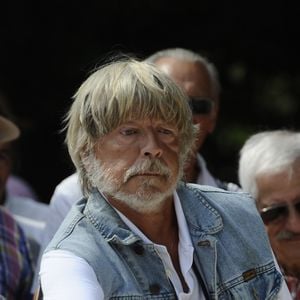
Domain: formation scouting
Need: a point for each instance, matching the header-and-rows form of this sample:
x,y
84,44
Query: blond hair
x,y
121,91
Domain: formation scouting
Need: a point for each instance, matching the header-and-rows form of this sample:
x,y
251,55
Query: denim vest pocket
x,y
263,283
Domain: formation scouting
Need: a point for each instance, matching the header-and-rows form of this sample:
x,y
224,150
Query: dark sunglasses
x,y
200,106
273,213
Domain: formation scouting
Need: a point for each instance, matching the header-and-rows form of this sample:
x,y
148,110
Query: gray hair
x,y
188,55
117,92
267,152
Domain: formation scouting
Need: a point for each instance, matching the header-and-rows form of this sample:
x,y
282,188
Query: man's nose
x,y
152,147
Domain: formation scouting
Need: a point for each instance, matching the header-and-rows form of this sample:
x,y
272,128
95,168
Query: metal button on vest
x,y
154,289
138,249
250,274
205,243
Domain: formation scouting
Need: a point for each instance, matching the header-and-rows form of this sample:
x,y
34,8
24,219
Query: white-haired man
x,y
269,169
139,233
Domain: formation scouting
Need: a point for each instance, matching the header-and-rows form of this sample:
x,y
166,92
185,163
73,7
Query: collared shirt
x,y
79,281
15,264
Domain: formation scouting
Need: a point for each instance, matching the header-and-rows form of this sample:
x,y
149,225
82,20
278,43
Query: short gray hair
x,y
267,152
191,56
120,91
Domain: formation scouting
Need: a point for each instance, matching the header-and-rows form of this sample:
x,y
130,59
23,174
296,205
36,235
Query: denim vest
x,y
232,252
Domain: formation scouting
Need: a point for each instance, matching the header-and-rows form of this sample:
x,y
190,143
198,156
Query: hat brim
x,y
8,130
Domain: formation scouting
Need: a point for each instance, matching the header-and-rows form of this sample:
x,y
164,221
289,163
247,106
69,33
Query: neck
x,y
155,225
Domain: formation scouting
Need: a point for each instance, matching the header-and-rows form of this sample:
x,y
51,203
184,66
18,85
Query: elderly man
x,y
139,233
269,169
16,269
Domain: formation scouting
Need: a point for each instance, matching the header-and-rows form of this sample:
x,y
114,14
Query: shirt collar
x,y
184,236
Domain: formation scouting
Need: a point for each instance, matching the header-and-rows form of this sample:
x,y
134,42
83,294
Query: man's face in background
x,y
195,80
281,193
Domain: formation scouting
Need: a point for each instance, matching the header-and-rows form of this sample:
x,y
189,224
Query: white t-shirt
x,y
67,276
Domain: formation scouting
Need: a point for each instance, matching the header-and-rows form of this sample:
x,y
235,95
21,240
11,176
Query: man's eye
x,y
165,131
128,131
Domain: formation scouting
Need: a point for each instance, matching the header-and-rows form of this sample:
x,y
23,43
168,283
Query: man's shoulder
x,y
211,208
69,222
211,189
217,197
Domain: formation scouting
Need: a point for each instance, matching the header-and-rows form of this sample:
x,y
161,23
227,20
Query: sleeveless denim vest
x,y
232,252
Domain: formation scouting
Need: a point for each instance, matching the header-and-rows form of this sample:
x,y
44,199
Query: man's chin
x,y
291,269
288,256
143,203
147,180
147,197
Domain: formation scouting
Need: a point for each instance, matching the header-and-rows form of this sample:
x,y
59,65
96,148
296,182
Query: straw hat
x,y
8,130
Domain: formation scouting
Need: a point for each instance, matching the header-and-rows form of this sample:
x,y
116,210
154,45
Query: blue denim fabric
x,y
232,252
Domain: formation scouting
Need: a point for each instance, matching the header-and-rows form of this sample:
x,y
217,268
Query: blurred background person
x,y
30,214
269,169
15,185
16,269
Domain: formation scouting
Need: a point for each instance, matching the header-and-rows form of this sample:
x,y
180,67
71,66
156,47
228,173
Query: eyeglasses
x,y
201,106
273,213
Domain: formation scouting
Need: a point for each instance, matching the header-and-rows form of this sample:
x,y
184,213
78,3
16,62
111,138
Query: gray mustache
x,y
148,166
285,235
